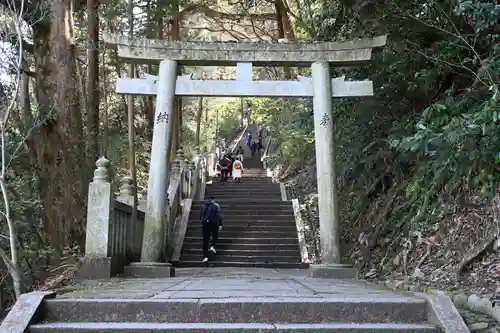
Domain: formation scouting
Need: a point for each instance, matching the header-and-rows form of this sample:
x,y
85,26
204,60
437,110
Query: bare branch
x,y
14,13
33,12
209,12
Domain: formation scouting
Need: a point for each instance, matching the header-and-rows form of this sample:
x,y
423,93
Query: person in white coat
x,y
237,170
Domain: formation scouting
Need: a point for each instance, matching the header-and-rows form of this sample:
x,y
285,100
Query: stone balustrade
x,y
113,239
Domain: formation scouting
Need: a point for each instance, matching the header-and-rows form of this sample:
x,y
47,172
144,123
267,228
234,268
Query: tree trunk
x,y
131,118
25,117
58,142
150,104
285,29
198,121
175,34
92,81
105,120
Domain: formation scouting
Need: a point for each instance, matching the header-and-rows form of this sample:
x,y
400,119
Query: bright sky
x,y
4,61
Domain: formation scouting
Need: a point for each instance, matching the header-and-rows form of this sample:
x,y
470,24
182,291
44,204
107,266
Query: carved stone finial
x,y
127,188
197,150
101,174
177,165
180,154
144,193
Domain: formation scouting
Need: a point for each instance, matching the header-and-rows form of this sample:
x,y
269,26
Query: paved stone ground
x,y
200,283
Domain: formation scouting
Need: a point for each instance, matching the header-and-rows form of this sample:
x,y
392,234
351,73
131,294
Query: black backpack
x,y
210,211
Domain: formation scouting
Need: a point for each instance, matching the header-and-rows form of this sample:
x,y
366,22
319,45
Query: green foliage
x,y
431,131
289,122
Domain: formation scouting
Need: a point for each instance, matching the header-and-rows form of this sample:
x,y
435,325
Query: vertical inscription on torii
x,y
162,118
325,120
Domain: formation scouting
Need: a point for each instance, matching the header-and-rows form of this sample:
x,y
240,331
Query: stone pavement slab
x,y
202,283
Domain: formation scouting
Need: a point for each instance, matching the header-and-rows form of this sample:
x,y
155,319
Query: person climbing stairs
x,y
259,228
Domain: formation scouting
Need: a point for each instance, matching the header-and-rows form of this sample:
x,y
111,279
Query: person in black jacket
x,y
211,221
225,165
253,147
239,153
231,158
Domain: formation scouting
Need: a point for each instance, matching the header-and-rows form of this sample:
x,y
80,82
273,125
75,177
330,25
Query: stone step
x,y
139,327
246,233
250,181
244,184
247,190
273,265
223,251
375,309
242,225
256,241
247,196
148,271
247,218
231,195
254,169
228,227
243,257
275,245
232,210
264,197
252,200
264,205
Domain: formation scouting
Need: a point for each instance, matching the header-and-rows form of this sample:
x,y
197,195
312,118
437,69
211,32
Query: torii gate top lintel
x,y
297,54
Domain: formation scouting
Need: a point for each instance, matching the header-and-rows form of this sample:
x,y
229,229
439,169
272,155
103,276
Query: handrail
x,y
266,153
195,176
113,239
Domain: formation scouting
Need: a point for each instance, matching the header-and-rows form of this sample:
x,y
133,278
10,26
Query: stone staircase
x,y
258,227
335,315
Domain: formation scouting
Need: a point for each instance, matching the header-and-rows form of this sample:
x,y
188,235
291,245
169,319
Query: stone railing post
x,y
97,262
185,179
190,183
198,159
197,153
169,220
180,156
204,169
126,191
142,199
179,172
132,231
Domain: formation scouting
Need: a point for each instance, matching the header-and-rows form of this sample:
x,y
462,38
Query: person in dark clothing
x,y
225,165
232,159
239,153
253,147
211,224
260,146
249,140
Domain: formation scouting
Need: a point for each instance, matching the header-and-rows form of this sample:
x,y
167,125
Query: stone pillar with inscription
x,y
98,262
329,224
159,169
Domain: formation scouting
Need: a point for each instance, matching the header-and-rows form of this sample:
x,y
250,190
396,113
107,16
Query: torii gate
x,y
170,54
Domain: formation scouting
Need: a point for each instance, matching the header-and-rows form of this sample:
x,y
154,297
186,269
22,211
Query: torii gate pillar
x,y
329,219
153,241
